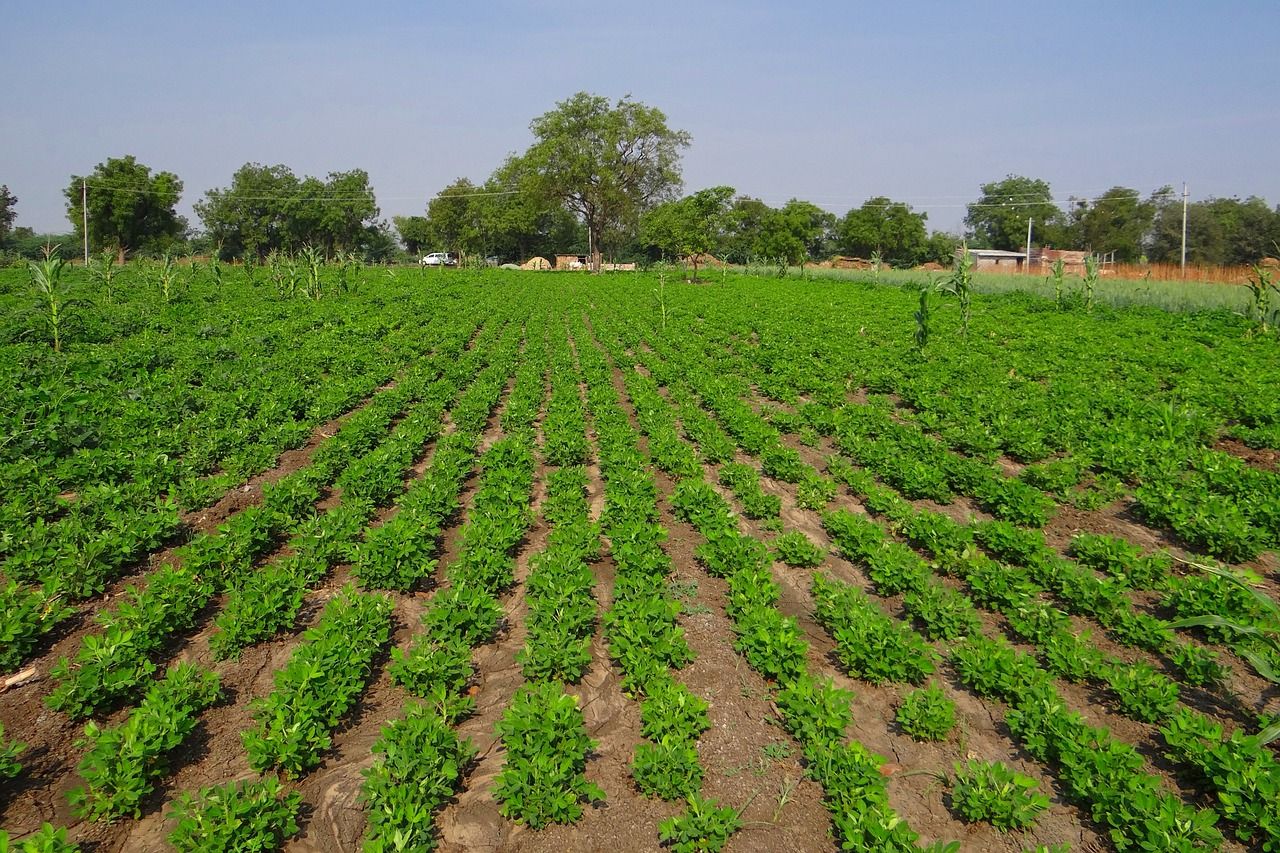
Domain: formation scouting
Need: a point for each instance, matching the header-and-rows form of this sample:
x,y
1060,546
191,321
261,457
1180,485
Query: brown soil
x,y
1265,458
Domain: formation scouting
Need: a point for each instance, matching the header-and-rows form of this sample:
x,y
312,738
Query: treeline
x,y
488,219
603,179
1220,231
266,209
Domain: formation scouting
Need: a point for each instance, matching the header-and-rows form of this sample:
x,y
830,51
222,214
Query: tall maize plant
x,y
46,279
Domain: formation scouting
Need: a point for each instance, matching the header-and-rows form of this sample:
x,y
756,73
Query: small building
x,y
1046,257
572,262
998,259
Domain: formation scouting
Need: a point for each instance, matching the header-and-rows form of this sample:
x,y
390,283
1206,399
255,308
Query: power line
x,y
137,190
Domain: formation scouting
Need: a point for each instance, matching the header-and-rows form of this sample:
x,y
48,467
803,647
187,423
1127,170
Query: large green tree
x,y
888,227
454,218
414,233
1220,231
691,226
338,214
794,234
606,163
1250,229
517,225
252,216
8,212
812,226
130,209
1117,221
745,222
998,219
268,208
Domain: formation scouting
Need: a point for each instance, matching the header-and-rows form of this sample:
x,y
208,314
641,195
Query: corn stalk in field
x,y
46,278
922,320
215,271
1266,638
103,270
313,263
1260,288
960,285
1090,281
1058,272
349,268
167,276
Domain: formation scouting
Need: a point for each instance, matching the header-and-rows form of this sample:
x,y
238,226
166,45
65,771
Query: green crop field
x,y
403,559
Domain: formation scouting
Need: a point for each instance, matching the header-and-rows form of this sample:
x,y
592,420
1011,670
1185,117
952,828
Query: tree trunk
x,y
593,246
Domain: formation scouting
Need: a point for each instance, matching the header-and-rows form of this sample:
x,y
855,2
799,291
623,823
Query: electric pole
x,y
1184,229
84,213
1028,244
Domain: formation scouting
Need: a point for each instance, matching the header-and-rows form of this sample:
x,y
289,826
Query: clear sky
x,y
832,102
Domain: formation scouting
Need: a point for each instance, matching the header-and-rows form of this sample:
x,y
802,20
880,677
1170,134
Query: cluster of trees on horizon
x,y
603,179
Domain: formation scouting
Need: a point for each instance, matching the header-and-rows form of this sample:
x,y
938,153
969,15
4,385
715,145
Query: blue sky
x,y
826,101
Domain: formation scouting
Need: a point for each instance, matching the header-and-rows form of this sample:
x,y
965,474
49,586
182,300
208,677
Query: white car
x,y
440,259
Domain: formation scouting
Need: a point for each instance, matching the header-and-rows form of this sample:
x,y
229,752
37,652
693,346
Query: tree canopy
x,y
998,219
130,209
267,208
8,212
890,228
1117,221
691,226
606,163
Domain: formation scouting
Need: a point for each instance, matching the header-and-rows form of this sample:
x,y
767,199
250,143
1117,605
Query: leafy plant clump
x,y
547,744
796,550
319,685
992,792
123,761
9,752
244,815
704,827
421,764
668,769
46,840
927,714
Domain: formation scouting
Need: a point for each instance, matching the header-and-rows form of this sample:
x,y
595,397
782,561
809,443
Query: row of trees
x,y
604,177
269,208
1120,222
1221,231
742,229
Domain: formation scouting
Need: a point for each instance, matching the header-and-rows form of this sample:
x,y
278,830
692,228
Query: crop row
x,y
875,647
1140,691
296,720
115,664
420,760
325,676
32,612
264,602
1124,414
814,711
119,499
641,629
1082,592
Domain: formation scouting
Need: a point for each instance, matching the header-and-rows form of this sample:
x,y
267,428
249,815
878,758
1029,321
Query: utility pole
x,y
84,213
1028,244
1184,229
